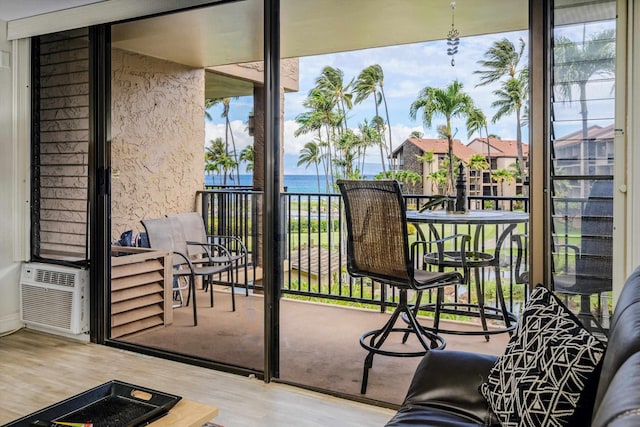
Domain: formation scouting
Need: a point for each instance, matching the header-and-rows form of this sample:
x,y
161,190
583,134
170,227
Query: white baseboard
x,y
77,337
10,323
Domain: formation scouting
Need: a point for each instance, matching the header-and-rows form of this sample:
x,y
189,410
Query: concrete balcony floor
x,y
319,343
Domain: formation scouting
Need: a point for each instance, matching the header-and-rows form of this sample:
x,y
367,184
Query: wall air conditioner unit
x,y
55,298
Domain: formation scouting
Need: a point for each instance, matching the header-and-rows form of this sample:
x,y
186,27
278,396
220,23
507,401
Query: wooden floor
x,y
37,370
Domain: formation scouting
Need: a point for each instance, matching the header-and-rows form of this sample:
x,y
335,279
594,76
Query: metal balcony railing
x,y
314,245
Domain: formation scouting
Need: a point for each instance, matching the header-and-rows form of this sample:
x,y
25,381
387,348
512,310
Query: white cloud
x,y
294,144
407,69
239,129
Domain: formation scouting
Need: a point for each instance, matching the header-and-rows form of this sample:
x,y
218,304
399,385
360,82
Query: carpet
x,y
319,344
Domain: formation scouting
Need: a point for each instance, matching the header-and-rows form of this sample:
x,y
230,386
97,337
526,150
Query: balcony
x,y
323,311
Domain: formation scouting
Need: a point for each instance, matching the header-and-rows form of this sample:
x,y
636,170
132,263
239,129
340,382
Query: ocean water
x,y
293,183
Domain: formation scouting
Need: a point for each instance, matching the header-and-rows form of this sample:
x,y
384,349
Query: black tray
x,y
113,404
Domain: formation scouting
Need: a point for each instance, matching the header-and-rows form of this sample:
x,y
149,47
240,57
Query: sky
x,y
407,70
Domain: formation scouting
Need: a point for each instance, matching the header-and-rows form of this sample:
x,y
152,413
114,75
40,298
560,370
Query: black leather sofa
x,y
445,387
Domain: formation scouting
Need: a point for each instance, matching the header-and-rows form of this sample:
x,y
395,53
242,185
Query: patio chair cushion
x,y
549,372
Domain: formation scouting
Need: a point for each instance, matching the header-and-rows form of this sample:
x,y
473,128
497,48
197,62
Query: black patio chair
x,y
378,248
591,272
167,234
198,241
521,266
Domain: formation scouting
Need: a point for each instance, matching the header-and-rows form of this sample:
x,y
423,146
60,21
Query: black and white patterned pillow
x,y
549,361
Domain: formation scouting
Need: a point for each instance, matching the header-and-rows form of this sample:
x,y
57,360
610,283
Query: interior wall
x,y
157,148
9,265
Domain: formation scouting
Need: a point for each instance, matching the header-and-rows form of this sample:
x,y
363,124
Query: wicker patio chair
x,y
378,248
167,233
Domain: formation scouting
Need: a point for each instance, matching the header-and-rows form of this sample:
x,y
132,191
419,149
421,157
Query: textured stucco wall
x,y
157,130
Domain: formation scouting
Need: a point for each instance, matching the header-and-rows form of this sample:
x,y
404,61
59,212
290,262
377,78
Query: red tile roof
x,y
503,147
440,146
593,132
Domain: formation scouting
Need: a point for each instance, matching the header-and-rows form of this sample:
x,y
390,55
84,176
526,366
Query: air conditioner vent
x,y
55,298
47,306
55,278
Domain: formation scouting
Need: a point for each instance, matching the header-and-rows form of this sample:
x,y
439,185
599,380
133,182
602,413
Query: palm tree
x,y
247,155
369,82
440,177
478,163
226,103
476,121
594,56
310,154
331,81
369,136
408,178
218,160
502,60
450,102
427,157
511,98
501,176
347,145
320,116
211,154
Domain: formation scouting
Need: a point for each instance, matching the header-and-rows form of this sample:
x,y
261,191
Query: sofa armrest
x,y
450,380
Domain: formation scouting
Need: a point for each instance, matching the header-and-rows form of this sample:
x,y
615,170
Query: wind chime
x,y
453,37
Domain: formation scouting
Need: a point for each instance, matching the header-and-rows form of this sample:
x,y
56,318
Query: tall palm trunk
x,y
324,159
330,154
235,153
584,114
390,151
486,129
384,169
344,114
451,167
523,173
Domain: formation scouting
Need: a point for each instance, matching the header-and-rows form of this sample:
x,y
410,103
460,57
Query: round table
x,y
476,259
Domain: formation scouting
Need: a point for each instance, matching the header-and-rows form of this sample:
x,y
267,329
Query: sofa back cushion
x,y
620,404
624,335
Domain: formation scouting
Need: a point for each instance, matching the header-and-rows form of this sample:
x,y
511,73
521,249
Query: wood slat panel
x,y
133,327
137,268
132,281
128,305
136,292
140,290
136,315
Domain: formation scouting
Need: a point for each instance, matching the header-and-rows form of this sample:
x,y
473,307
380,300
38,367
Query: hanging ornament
x,y
453,37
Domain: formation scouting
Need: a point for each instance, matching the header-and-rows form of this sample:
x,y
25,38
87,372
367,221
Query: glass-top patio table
x,y
476,257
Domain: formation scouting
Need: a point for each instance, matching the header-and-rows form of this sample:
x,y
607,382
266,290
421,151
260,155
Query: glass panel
x,y
582,156
348,118
186,115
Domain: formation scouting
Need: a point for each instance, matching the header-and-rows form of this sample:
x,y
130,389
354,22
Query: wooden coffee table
x,y
187,413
